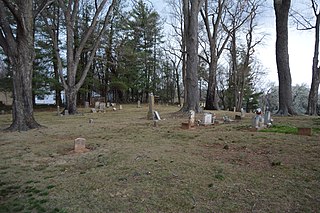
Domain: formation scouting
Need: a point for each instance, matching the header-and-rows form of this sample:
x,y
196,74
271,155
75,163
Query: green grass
x,y
133,166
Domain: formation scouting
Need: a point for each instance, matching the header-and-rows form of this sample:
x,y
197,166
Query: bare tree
x,y
17,41
191,9
281,8
75,49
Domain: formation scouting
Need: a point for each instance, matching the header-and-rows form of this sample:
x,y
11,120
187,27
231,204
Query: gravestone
x,y
207,119
151,106
192,115
93,110
2,112
108,104
97,105
90,121
102,107
139,104
86,104
267,118
304,131
58,110
80,144
120,107
191,121
156,116
243,113
66,112
113,104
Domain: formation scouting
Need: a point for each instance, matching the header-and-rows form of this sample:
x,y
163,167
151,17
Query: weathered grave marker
x,y
207,119
86,104
304,131
139,104
93,110
108,104
151,106
120,107
243,113
97,105
102,107
66,112
80,145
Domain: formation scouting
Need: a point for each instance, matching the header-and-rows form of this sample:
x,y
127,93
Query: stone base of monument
x,y
305,131
187,125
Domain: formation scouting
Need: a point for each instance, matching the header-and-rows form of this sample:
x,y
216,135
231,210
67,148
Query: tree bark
x,y
313,93
18,45
281,8
191,12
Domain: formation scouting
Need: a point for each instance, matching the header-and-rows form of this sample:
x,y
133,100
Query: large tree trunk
x,y
281,8
212,97
313,94
20,52
191,14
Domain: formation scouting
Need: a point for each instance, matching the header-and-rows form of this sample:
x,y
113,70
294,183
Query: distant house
x,y
6,98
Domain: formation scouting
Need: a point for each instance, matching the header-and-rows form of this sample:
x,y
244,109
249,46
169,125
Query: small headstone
x,y
113,104
97,105
66,112
234,109
79,144
267,118
120,107
102,107
305,131
93,110
207,119
192,117
156,116
243,113
139,104
58,110
114,109
108,104
2,112
90,121
86,104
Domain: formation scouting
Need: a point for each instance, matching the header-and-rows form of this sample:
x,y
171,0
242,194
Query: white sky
x,y
300,47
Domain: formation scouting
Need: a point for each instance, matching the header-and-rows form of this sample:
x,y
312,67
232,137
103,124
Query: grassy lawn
x,y
133,166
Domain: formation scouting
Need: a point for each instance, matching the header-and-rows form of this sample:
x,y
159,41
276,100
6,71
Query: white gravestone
x,y
207,118
191,118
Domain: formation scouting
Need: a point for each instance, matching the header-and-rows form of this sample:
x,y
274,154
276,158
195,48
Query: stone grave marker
x,y
102,107
58,110
80,145
151,106
304,131
108,104
267,118
139,104
243,113
86,104
93,110
207,119
120,107
156,116
66,112
97,105
191,120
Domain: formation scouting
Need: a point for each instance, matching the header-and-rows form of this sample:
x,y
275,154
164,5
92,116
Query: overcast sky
x,y
300,46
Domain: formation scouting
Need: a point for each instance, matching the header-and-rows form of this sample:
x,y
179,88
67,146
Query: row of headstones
x,y
101,106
